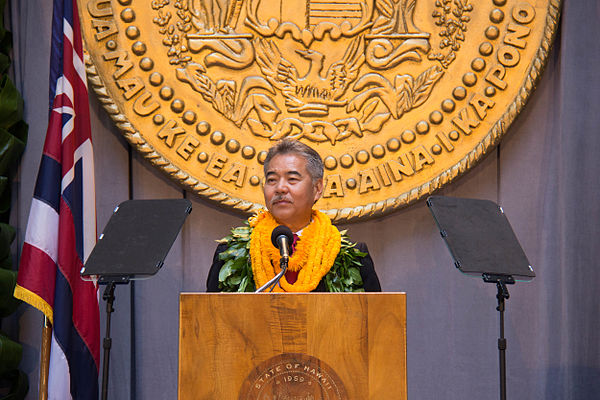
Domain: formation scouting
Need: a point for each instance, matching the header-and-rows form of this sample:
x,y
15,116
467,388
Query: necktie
x,y
292,276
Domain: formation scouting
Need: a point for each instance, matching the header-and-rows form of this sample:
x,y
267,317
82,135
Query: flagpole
x,y
45,359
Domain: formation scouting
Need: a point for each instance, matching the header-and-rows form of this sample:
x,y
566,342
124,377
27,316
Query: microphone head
x,y
282,230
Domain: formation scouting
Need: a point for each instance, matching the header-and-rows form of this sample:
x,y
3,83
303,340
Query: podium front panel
x,y
312,346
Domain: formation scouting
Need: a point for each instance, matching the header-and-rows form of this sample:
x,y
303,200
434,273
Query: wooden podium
x,y
349,346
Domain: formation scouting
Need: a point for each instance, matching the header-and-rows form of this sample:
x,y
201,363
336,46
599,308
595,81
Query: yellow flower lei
x,y
314,255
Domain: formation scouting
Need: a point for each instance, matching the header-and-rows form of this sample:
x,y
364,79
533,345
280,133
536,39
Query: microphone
x,y
282,238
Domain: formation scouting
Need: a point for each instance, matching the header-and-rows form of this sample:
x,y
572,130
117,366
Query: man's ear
x,y
318,190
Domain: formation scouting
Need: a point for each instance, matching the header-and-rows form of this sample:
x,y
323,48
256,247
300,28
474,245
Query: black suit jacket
x,y
367,272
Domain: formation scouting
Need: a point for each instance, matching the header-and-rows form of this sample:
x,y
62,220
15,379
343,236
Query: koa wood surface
x,y
292,346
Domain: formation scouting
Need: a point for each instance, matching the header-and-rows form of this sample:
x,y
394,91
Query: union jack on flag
x,y
61,230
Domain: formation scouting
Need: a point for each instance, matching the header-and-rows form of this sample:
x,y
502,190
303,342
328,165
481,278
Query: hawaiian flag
x,y
61,230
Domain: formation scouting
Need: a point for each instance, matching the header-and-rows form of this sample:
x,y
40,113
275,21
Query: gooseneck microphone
x,y
282,238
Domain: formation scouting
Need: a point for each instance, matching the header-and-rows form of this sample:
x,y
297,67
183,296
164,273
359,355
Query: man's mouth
x,y
281,201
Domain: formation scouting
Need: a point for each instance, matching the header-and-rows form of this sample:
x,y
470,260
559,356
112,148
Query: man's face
x,y
289,191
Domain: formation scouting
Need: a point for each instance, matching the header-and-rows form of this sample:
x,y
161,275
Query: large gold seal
x,y
398,96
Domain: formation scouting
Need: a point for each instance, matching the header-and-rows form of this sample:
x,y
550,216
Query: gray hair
x,y
314,163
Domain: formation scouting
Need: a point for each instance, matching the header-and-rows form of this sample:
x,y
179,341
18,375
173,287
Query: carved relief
x,y
274,100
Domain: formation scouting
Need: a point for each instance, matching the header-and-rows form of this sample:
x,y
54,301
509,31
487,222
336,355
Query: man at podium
x,y
323,259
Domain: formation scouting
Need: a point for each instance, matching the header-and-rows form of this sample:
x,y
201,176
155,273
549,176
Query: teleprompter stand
x,y
133,245
482,243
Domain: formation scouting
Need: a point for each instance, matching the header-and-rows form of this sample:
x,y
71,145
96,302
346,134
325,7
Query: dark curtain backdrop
x,y
544,174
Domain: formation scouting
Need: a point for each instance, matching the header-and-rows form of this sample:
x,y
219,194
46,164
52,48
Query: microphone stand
x,y
283,262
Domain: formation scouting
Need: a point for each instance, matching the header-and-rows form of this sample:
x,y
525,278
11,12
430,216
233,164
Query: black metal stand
x,y
122,253
482,243
109,297
501,296
501,281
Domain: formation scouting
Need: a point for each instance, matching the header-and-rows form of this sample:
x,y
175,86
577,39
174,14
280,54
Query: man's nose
x,y
281,186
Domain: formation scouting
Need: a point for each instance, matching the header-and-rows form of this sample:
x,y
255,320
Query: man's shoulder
x,y
362,246
221,247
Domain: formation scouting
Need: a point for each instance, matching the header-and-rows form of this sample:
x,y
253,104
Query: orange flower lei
x,y
314,255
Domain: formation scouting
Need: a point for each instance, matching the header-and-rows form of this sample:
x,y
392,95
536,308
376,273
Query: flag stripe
x,y
36,236
59,380
47,186
81,363
56,55
72,196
